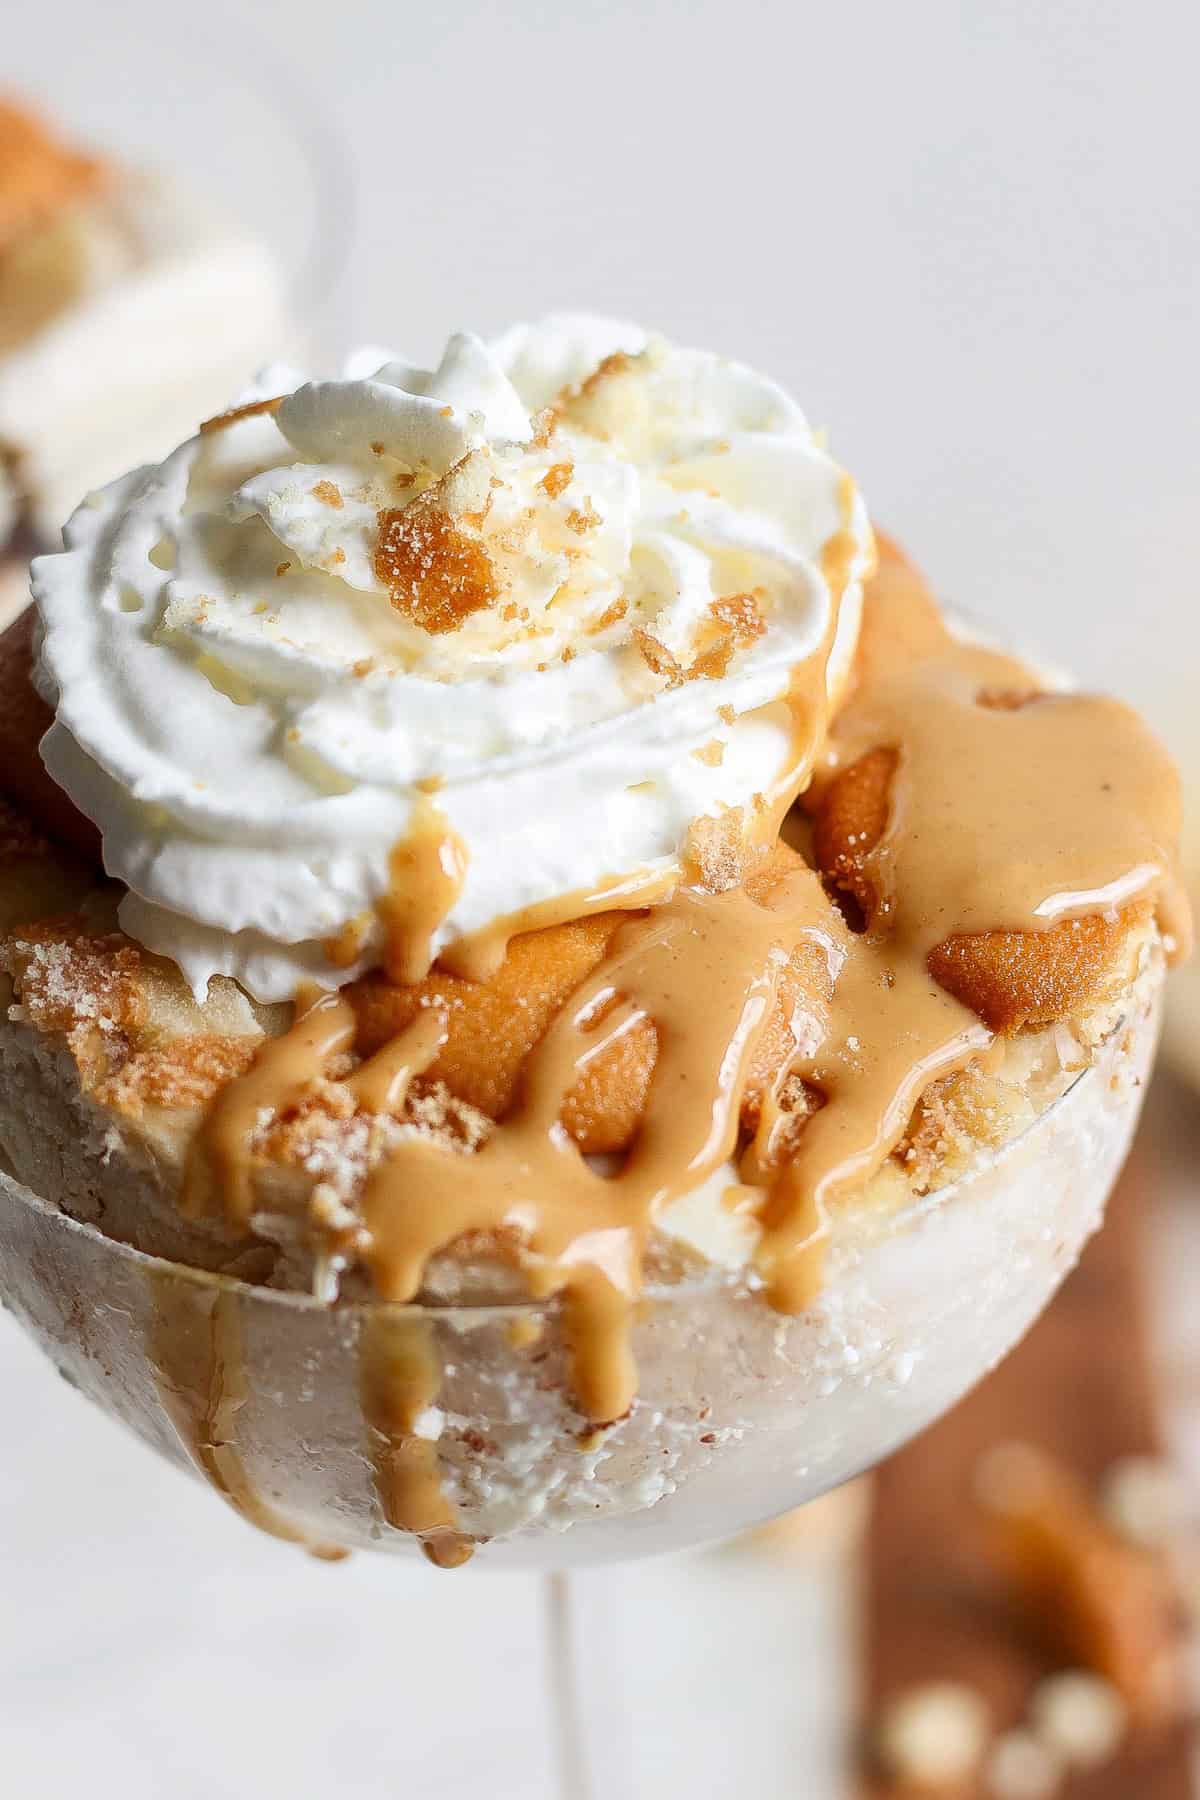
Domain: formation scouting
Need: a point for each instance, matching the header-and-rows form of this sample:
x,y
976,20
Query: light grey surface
x,y
967,235
152,1644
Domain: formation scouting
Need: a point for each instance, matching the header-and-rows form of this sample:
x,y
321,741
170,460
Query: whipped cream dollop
x,y
557,588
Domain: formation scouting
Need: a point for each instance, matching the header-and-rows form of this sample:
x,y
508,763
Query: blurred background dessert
x,y
110,278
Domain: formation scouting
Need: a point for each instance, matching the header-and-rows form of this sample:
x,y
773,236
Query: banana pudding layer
x,y
553,855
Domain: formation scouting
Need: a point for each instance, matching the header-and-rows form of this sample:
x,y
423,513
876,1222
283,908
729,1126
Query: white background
x,y
967,236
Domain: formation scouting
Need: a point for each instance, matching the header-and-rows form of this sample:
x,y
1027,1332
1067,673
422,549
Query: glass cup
x,y
742,1413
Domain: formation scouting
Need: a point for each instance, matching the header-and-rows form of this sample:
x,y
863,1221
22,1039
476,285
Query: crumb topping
x,y
250,410
615,611
86,986
436,573
736,622
187,1072
582,519
716,853
953,1119
556,478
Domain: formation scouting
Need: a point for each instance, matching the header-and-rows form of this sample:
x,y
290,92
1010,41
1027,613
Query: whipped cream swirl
x,y
573,628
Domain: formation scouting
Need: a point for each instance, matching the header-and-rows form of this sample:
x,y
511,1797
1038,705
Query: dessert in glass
x,y
111,277
605,1010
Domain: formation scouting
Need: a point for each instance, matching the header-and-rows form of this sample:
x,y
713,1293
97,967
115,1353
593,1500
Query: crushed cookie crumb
x,y
251,410
556,478
658,659
715,851
83,984
616,610
187,1072
544,425
619,362
437,574
737,622
281,569
328,493
331,1140
582,519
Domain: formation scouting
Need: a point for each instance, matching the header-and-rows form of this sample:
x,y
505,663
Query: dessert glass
x,y
742,1412
918,1306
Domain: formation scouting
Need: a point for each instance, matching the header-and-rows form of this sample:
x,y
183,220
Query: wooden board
x,y
934,1606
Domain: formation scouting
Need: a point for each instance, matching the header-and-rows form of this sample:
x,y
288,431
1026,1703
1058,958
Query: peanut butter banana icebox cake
x,y
553,1002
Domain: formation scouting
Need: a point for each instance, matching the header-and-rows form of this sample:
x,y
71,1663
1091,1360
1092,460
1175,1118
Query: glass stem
x,y
566,1710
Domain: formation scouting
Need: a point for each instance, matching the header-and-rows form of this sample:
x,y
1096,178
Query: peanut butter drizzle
x,y
196,1353
892,1032
704,968
381,1084
478,954
278,1078
808,702
1009,815
427,869
400,1377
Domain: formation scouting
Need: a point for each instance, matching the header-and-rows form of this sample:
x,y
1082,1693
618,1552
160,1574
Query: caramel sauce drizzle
x,y
381,1084
811,699
400,1377
478,954
583,1233
427,868
279,1078
1011,815
196,1352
